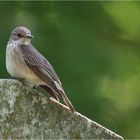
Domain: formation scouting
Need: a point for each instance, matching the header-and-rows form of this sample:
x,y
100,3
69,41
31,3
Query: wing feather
x,y
41,66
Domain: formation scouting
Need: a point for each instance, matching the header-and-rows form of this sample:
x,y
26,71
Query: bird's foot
x,y
34,87
20,79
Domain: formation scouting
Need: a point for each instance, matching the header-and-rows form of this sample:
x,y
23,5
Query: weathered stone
x,y
28,114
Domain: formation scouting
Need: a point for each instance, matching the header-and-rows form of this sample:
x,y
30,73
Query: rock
x,y
28,114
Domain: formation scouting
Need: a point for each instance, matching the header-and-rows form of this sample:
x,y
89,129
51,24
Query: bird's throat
x,y
26,41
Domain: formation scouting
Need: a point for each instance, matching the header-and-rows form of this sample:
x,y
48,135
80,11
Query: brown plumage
x,y
25,62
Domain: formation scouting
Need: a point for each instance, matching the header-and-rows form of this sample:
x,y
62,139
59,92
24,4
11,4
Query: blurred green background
x,y
95,49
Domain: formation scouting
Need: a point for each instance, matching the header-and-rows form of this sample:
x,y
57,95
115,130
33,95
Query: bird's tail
x,y
52,94
67,101
57,93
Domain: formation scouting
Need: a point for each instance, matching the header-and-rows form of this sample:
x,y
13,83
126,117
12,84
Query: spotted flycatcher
x,y
24,62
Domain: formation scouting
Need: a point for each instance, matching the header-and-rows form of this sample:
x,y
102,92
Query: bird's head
x,y
21,34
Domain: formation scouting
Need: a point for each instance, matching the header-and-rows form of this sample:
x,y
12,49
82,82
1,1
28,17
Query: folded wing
x,y
43,69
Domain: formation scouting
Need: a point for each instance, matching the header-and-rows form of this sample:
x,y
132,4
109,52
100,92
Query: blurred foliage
x,y
95,49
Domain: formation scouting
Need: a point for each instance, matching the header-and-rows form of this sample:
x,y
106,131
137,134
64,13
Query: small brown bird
x,y
24,62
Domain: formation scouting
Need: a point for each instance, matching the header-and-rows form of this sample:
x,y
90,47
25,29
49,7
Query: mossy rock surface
x,y
28,114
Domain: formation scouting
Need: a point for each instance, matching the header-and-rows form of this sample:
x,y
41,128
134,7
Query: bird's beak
x,y
29,36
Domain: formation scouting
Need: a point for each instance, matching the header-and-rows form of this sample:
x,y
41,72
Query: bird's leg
x,y
13,77
20,79
35,86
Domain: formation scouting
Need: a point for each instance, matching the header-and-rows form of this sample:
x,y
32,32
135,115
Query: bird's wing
x,y
43,69
40,65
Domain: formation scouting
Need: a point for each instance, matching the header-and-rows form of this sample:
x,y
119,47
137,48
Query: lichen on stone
x,y
28,114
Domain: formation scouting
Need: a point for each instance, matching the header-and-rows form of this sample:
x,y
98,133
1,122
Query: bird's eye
x,y
19,35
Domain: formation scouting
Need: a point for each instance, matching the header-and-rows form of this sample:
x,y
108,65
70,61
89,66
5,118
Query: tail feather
x,y
52,94
59,89
55,94
67,101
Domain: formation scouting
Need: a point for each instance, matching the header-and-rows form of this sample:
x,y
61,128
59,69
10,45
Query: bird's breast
x,y
17,67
